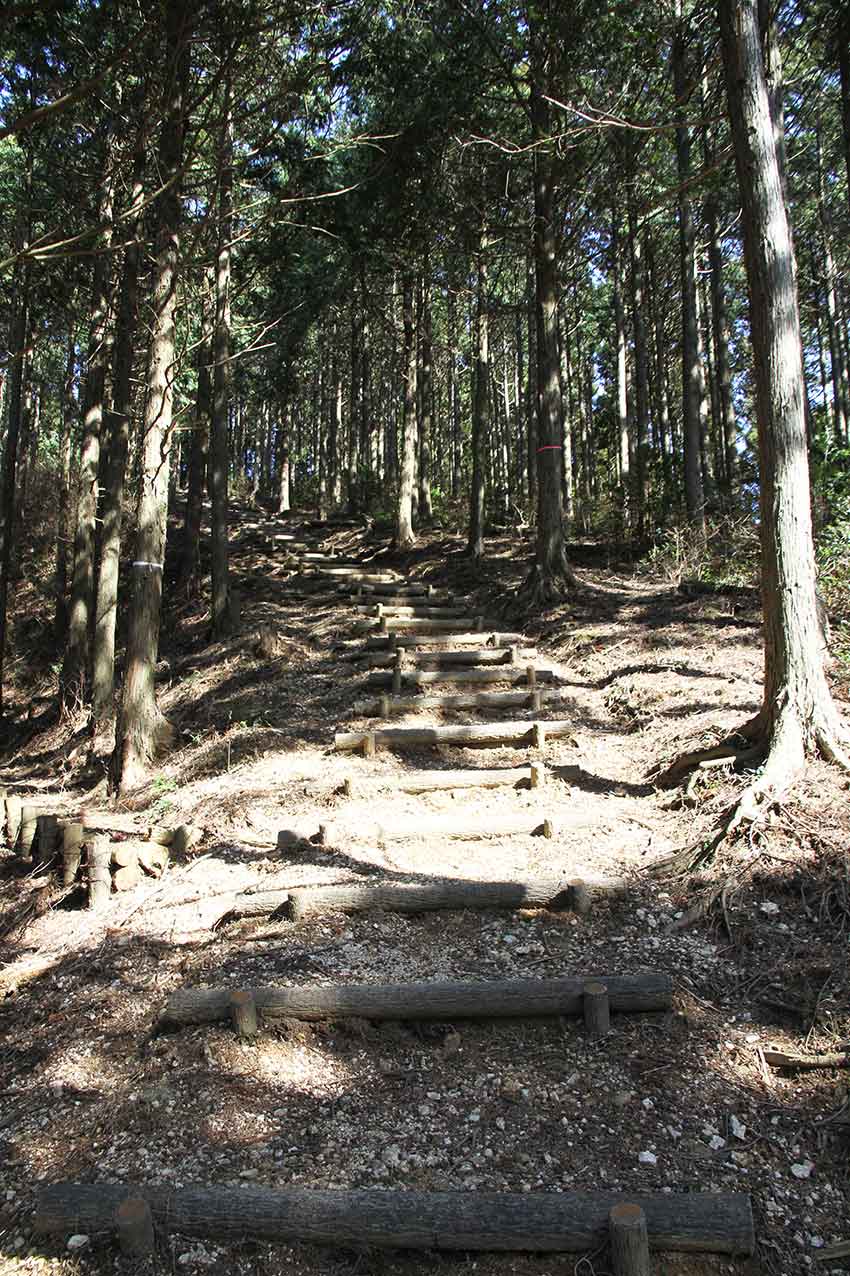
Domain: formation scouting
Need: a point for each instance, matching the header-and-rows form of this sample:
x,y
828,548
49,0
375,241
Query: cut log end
x,y
629,1240
597,1009
243,1013
135,1228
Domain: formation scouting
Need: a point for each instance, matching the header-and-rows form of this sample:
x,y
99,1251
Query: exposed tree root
x,y
784,747
544,589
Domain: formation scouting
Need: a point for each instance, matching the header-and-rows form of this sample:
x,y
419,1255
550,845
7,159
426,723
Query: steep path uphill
x,y
416,921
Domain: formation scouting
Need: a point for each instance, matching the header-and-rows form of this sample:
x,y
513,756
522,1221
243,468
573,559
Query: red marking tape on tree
x,y
551,447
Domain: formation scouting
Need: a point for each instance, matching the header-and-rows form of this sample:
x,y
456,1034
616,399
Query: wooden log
x,y
597,1009
98,855
243,1013
398,671
501,999
421,625
185,836
257,904
450,659
629,1240
479,733
806,1062
541,891
135,1229
459,700
388,588
439,781
72,847
13,820
128,877
397,611
445,827
457,677
406,636
29,826
355,575
124,854
542,1222
48,839
118,822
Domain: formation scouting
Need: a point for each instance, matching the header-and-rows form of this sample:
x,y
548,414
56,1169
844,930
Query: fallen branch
x,y
806,1062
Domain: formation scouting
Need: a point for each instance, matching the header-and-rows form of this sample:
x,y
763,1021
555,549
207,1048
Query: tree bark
x,y
480,409
142,729
405,537
691,368
73,691
63,528
551,575
19,330
222,382
200,445
118,434
426,417
798,714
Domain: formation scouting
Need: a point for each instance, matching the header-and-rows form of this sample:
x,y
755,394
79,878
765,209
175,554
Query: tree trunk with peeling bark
x,y
798,714
222,381
480,405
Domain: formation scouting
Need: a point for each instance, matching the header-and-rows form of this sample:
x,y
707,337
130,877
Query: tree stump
x,y
243,1013
597,1010
629,1241
72,847
581,898
535,775
134,1225
98,857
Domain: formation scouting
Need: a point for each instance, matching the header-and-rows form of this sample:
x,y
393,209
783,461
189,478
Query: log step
x,y
446,828
447,658
440,635
516,733
387,705
437,781
550,1222
408,610
458,677
543,891
390,587
442,1001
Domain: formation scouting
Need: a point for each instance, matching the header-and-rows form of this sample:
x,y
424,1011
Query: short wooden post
x,y
384,703
597,1010
369,745
134,1225
581,900
629,1241
13,819
98,856
184,838
479,624
243,1013
379,611
72,846
537,700
399,657
430,590
46,839
347,788
548,829
29,824
382,624
535,775
514,657
538,735
531,677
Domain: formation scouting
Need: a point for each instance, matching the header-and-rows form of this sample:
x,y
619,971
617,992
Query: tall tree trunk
x,y
641,357
222,382
72,685
838,371
842,41
17,346
454,393
63,529
722,362
551,573
118,434
798,714
142,729
622,451
480,409
426,420
283,461
404,536
200,445
355,406
691,368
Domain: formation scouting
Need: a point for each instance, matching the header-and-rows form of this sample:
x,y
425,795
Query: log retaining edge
x,y
567,1222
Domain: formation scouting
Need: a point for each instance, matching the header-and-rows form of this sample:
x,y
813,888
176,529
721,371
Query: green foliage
x,y
727,556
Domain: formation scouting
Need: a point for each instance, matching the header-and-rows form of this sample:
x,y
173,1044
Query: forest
x,y
449,384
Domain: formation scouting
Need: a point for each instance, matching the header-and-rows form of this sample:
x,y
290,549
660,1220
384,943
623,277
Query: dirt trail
x,y
667,1102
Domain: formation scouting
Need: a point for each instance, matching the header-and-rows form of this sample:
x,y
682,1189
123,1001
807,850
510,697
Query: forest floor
x,y
667,1102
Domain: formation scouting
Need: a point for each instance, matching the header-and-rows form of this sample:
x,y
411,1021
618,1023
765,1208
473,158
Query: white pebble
x,y
648,1158
802,1169
78,1241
